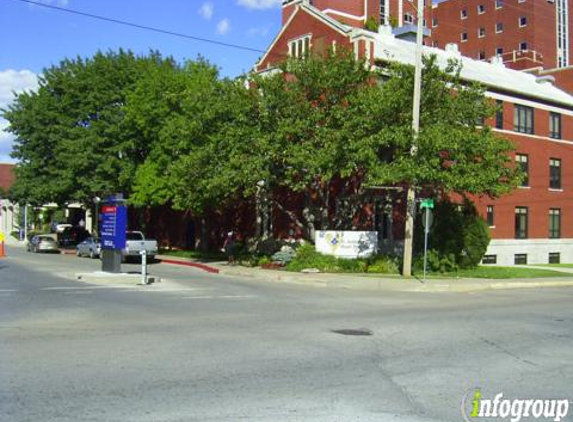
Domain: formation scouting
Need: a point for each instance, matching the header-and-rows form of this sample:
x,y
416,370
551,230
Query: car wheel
x,y
78,254
92,254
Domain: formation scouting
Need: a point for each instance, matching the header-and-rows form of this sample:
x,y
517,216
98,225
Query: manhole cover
x,y
353,332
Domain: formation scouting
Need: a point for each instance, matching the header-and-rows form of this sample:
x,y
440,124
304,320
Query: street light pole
x,y
411,197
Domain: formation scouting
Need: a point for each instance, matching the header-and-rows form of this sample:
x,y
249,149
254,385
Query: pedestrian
x,y
229,247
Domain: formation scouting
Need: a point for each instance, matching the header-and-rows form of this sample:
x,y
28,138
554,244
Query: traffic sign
x,y
113,226
428,218
2,237
427,203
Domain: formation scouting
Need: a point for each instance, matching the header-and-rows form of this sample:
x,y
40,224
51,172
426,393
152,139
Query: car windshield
x,y
134,236
45,239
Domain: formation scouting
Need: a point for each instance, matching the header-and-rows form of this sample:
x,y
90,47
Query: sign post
x,y
112,233
427,205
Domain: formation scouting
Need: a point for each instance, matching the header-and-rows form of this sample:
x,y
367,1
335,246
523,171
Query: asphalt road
x,y
208,348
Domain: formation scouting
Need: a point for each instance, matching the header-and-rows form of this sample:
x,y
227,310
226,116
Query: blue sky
x,y
34,37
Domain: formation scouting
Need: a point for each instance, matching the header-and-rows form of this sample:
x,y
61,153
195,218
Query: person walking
x,y
229,247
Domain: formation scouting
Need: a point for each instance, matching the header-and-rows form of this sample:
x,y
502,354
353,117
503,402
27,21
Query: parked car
x,y
72,236
136,242
41,243
89,247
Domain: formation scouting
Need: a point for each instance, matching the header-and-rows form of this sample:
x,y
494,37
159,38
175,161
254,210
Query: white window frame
x,y
298,47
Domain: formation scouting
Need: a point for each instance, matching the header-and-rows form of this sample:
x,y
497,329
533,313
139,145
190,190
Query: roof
x,y
493,75
7,176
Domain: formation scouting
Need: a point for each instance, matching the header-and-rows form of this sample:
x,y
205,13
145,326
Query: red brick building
x,y
534,224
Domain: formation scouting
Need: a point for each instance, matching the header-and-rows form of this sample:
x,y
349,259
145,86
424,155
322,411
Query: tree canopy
x,y
179,134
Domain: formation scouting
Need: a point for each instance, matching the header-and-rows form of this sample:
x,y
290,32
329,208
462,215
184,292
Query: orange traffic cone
x,y
2,253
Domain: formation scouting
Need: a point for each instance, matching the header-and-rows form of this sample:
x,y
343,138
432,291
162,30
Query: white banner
x,y
347,244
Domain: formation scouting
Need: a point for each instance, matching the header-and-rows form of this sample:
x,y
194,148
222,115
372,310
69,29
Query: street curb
x,y
394,285
198,265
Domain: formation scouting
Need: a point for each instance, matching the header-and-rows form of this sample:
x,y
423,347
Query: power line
x,y
144,27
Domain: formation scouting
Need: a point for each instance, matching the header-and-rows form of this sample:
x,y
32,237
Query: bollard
x,y
143,254
2,249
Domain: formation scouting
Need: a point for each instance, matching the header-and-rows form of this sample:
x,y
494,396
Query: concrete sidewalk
x,y
376,281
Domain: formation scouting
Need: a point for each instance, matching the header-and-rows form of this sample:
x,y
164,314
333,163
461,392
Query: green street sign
x,y
427,203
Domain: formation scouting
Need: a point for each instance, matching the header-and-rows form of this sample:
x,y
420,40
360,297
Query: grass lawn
x,y
554,265
198,255
500,272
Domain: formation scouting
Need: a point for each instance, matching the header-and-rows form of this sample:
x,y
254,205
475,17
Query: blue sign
x,y
113,226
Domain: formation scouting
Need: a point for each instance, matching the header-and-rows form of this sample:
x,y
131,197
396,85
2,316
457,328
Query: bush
x,y
458,238
308,257
384,265
436,263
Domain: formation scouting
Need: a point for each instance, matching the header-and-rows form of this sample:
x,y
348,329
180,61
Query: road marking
x,y
219,297
62,288
85,292
8,290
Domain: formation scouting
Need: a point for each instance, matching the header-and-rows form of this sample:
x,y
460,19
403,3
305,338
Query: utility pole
x,y
411,197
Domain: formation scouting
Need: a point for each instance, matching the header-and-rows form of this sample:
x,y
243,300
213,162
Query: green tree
x,y
71,142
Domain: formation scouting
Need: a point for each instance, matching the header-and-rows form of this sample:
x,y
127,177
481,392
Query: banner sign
x,y
347,244
113,226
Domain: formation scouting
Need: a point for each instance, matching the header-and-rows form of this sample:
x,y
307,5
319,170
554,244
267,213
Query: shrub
x,y
308,257
384,265
459,235
436,263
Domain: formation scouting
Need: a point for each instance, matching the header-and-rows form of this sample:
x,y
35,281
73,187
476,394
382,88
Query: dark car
x,y
71,236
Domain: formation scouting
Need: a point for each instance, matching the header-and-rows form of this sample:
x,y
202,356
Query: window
x,y
554,173
521,222
383,12
522,161
499,114
563,36
408,18
520,259
490,218
555,125
498,4
481,32
523,119
498,27
463,14
554,223
434,22
489,259
499,51
435,44
522,46
481,9
481,55
554,257
523,21
464,36
299,47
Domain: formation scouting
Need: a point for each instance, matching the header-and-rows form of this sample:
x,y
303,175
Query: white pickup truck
x,y
136,242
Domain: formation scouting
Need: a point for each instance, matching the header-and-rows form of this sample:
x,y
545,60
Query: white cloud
x,y
206,10
59,3
258,32
259,4
223,27
12,81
